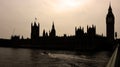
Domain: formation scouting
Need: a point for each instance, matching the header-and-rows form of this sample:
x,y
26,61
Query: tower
x,y
79,32
110,24
53,31
91,31
34,30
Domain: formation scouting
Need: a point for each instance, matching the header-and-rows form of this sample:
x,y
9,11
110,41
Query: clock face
x,y
110,19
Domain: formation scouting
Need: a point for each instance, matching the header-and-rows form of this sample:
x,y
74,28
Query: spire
x,y
53,31
53,27
110,9
110,13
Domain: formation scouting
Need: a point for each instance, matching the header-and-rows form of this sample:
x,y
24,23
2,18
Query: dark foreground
x,y
21,57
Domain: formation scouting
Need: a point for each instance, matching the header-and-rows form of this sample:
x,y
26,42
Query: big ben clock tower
x,y
110,24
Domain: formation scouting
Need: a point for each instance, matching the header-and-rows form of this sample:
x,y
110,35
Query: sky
x,y
16,16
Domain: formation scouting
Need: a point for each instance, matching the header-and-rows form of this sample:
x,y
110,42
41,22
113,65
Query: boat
x,y
45,53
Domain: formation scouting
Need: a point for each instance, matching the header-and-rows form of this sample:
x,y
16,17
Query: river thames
x,y
21,57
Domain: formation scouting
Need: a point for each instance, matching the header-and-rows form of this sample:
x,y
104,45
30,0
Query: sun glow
x,y
64,5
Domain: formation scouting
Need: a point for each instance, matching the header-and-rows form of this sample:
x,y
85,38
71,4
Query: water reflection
x,y
20,55
34,57
11,57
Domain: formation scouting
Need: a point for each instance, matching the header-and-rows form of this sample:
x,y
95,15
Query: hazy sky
x,y
16,16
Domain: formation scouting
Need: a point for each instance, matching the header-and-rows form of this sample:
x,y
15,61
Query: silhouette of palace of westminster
x,y
80,41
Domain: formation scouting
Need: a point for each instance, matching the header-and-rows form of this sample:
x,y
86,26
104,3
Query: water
x,y
12,57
